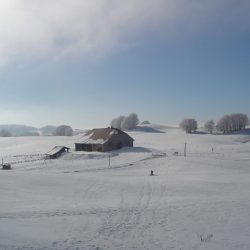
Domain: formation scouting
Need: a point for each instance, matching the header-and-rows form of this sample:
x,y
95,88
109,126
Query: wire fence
x,y
23,158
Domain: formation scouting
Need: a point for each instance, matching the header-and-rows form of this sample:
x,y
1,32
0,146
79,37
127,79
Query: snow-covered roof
x,y
56,149
100,135
91,141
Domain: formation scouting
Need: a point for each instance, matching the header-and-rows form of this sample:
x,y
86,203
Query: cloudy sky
x,y
82,62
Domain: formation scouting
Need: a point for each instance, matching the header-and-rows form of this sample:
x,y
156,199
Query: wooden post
x,y
185,149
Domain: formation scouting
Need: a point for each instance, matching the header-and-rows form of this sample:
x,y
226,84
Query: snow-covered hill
x,y
79,201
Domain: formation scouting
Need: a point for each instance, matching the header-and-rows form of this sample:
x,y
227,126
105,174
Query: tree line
x,y
62,130
226,124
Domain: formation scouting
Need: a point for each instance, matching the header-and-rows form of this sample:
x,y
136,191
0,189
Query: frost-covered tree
x,y
125,122
189,125
5,133
239,121
63,130
117,122
209,126
130,122
224,124
233,122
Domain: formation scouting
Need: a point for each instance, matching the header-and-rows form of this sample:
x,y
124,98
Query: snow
x,y
80,202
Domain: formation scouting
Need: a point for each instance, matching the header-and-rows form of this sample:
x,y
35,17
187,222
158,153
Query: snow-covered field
x,y
78,201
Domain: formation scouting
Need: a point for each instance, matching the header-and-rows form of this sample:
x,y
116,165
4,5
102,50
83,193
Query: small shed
x,y
56,152
104,139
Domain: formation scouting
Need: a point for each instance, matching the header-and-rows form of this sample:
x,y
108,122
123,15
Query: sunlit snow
x,y
109,201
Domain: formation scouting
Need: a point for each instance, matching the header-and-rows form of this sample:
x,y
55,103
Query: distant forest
x,y
24,130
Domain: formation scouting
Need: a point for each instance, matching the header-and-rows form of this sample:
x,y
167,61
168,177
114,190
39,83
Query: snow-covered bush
x,y
234,122
63,130
125,122
189,125
209,126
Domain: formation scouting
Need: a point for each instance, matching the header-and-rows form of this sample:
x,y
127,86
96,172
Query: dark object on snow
x,y
56,152
6,166
151,173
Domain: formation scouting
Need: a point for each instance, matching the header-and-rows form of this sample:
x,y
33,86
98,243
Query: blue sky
x,y
83,64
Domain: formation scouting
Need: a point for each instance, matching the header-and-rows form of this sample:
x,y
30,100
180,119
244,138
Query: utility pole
x,y
185,149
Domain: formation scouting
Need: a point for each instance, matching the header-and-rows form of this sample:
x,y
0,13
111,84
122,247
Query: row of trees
x,y
234,122
227,123
62,130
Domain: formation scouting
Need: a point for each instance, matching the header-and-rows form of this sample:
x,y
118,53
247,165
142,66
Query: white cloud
x,y
38,28
92,28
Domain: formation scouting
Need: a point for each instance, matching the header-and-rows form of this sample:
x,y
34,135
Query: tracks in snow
x,y
120,222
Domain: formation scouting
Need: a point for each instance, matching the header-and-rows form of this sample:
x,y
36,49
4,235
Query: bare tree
x,y
189,125
209,126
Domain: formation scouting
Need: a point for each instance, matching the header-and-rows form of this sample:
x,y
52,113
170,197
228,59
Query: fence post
x,y
185,149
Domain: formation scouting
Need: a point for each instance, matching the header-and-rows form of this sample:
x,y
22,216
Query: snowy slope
x,y
80,202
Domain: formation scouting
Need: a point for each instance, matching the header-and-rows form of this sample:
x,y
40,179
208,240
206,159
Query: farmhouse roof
x,y
56,149
101,135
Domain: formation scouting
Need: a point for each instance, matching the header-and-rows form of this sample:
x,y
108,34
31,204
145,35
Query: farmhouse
x,y
104,139
56,152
